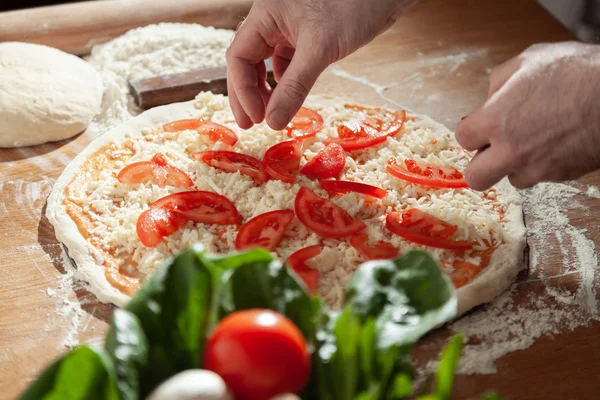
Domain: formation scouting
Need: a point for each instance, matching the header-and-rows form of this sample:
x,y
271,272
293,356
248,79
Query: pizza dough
x,y
45,94
422,137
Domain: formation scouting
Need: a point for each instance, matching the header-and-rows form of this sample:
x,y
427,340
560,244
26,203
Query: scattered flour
x,y
503,326
379,89
149,51
68,306
593,191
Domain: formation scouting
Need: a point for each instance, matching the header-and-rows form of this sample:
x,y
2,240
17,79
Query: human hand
x,y
541,121
303,37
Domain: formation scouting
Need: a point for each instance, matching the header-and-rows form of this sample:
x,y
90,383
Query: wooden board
x,y
435,60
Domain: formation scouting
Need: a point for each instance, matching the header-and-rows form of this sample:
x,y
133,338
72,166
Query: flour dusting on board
x,y
567,300
150,51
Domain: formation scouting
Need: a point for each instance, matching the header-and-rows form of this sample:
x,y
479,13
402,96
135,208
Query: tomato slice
x,y
230,161
157,171
265,230
381,251
259,354
422,228
182,125
156,223
200,206
310,276
424,173
323,217
306,123
346,186
282,161
214,131
356,135
328,163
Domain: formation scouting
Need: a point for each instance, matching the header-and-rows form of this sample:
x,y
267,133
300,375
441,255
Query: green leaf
x,y
174,308
447,367
127,345
407,297
402,386
368,336
237,259
268,284
83,373
337,358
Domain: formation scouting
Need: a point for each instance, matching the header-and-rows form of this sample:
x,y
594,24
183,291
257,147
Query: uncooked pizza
x,y
342,184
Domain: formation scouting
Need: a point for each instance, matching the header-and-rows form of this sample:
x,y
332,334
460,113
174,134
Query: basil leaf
x,y
268,284
173,308
402,386
235,260
407,297
83,373
444,376
127,345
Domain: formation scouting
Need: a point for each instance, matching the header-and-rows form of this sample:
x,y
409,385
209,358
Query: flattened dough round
x,y
45,94
505,263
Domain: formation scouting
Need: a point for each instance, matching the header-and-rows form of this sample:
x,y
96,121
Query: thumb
x,y
294,86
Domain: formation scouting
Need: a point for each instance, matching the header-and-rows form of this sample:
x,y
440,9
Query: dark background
x,y
580,16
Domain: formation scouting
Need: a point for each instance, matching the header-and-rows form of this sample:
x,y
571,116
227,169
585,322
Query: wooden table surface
x,y
435,60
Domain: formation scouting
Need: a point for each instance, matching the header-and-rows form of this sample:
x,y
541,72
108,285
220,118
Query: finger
x,y
471,133
263,85
249,48
520,181
241,118
529,175
282,56
487,168
501,74
295,84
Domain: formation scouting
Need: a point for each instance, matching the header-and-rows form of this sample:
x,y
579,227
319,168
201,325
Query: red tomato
x,y
422,228
310,276
265,230
157,171
345,187
323,217
214,131
282,161
427,174
369,132
218,133
230,161
382,250
156,223
328,163
200,206
259,354
306,123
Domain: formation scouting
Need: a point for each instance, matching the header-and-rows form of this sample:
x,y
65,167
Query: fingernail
x,y
278,119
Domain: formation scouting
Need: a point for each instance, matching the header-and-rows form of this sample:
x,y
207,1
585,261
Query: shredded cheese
x,y
115,207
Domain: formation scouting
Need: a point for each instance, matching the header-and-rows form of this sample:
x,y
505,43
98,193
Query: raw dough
x,y
45,94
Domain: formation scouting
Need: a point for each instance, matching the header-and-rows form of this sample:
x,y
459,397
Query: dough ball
x,y
45,94
193,384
